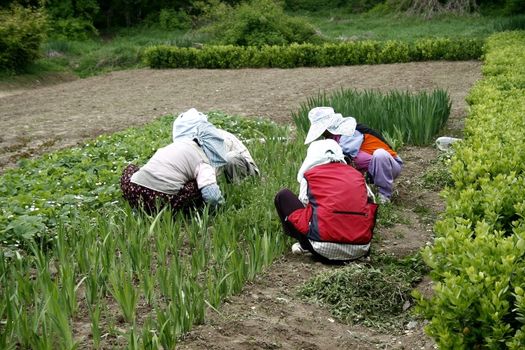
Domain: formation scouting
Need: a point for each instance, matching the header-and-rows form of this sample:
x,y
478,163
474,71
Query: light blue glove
x,y
212,195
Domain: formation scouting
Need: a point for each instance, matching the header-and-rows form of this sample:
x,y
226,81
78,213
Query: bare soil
x,y
44,118
267,314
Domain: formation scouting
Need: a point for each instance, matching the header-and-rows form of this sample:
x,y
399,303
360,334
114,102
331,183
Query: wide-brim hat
x,y
325,118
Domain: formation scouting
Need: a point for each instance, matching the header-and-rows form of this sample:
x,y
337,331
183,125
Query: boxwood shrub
x,y
312,55
478,256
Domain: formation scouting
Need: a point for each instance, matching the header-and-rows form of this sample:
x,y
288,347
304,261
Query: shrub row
x,y
478,256
311,55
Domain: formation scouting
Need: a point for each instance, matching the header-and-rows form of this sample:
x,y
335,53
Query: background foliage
x,y
22,31
260,22
87,37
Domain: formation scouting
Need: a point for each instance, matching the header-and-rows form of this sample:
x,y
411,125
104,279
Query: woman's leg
x,y
139,196
384,169
129,189
287,202
188,197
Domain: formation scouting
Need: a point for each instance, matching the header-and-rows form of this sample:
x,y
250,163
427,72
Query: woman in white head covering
x,y
368,150
333,217
239,162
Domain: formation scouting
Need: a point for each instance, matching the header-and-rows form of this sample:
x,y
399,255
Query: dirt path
x,y
34,121
267,314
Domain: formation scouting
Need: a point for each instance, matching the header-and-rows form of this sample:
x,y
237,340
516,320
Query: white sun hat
x,y
325,118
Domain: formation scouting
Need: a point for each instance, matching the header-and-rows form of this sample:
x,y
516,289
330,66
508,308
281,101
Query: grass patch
x,y
376,294
438,175
388,215
341,26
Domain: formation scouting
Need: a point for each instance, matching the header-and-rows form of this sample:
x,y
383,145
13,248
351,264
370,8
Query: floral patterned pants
x,y
150,200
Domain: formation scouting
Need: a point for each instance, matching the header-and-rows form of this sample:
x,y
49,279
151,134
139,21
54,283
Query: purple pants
x,y
382,167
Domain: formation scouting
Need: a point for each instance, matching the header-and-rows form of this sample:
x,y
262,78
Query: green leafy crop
x,y
52,188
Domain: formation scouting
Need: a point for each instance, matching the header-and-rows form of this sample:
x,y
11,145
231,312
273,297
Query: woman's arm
x,y
303,188
207,184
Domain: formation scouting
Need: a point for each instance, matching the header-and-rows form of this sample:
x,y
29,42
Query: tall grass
x,y
402,117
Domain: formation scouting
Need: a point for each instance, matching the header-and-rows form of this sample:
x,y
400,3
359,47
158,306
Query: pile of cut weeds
x,y
374,294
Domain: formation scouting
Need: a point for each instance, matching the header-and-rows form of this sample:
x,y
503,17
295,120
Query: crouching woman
x,y
181,174
333,217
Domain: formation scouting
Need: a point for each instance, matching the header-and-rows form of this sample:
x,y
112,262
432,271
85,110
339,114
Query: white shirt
x,y
174,165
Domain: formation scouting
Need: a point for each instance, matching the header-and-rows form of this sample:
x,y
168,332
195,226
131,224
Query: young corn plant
x,y
60,317
124,292
150,339
96,333
166,328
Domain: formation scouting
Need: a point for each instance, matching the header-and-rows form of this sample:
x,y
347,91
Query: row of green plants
x,y
477,259
134,281
139,281
72,250
402,116
312,55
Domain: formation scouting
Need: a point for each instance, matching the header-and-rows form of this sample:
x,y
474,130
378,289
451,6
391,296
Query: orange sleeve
x,y
371,143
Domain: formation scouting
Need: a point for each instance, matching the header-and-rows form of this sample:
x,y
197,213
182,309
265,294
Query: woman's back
x,y
171,166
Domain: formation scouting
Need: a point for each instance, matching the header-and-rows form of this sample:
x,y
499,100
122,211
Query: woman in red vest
x,y
333,217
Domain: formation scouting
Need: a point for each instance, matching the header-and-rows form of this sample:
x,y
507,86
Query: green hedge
x,y
311,55
478,257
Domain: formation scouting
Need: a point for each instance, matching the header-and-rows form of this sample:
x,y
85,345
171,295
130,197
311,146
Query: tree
x,y
431,8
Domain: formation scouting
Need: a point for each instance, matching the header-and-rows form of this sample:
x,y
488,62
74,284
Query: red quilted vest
x,y
338,209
